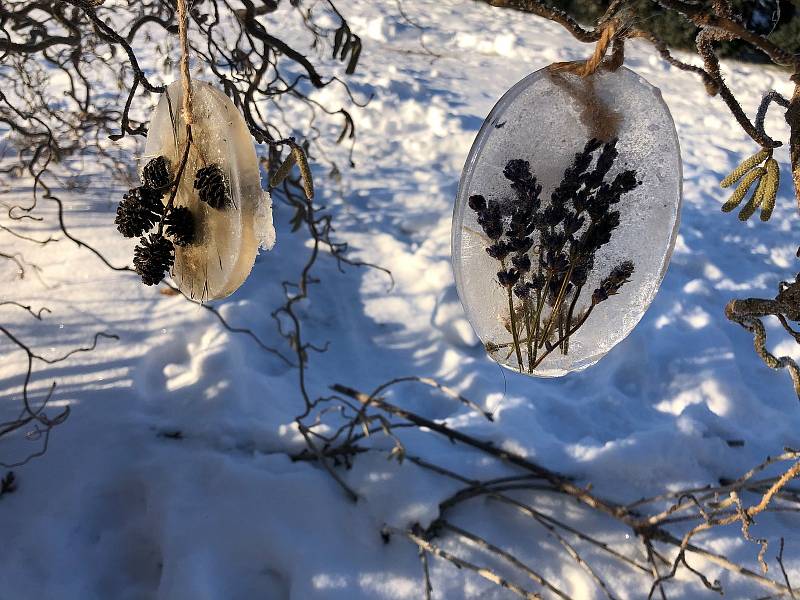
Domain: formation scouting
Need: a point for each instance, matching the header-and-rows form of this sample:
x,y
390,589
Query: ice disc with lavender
x,y
566,217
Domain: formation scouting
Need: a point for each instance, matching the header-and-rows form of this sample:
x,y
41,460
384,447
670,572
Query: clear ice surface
x,y
227,240
545,119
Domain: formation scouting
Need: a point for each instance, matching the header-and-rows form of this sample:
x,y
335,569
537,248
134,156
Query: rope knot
x,y
585,68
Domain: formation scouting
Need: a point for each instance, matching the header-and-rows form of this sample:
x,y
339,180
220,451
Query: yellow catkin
x,y
741,190
743,168
283,171
754,202
771,182
305,171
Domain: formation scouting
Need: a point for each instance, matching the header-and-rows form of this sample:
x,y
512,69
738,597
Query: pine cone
x,y
179,225
137,212
156,173
153,257
210,183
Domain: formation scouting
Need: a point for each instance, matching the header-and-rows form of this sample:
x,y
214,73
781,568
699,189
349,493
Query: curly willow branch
x,y
741,312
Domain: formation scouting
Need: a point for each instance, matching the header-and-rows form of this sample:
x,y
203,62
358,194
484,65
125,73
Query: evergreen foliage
x,y
677,32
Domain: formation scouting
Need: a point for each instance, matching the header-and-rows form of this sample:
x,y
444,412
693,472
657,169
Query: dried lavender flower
x,y
537,281
611,285
518,170
508,278
498,250
521,262
523,290
477,202
491,220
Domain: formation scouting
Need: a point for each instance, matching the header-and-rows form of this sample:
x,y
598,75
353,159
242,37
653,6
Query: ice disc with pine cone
x,y
566,216
220,187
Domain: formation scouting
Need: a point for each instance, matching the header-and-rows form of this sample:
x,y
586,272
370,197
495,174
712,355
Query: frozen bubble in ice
x,y
227,234
604,208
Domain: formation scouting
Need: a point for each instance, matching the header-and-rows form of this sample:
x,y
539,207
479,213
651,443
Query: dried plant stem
x,y
177,183
793,472
513,323
558,481
526,303
484,572
779,558
652,560
423,557
508,557
323,461
662,535
570,549
430,382
514,330
569,332
557,305
570,313
539,304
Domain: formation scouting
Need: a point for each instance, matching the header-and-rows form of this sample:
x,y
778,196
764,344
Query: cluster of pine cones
x,y
141,210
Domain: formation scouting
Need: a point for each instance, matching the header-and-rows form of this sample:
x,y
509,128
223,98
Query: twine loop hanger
x,y
186,79
601,120
612,28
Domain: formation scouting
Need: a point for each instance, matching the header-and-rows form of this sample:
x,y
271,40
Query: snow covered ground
x,y
115,510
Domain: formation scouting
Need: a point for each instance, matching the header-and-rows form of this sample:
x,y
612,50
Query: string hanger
x,y
612,29
186,79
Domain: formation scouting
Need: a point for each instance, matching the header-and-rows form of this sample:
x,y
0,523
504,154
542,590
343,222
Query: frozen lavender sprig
x,y
546,254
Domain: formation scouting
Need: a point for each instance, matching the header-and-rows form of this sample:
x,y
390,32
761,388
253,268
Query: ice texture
x,y
227,240
545,119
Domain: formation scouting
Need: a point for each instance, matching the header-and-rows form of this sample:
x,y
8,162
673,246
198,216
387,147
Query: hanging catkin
x,y
740,191
744,167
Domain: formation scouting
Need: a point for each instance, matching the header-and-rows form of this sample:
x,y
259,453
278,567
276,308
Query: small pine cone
x,y
137,212
152,258
179,225
156,173
210,183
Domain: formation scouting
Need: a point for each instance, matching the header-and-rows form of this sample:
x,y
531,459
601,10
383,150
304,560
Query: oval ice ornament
x,y
221,187
566,217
